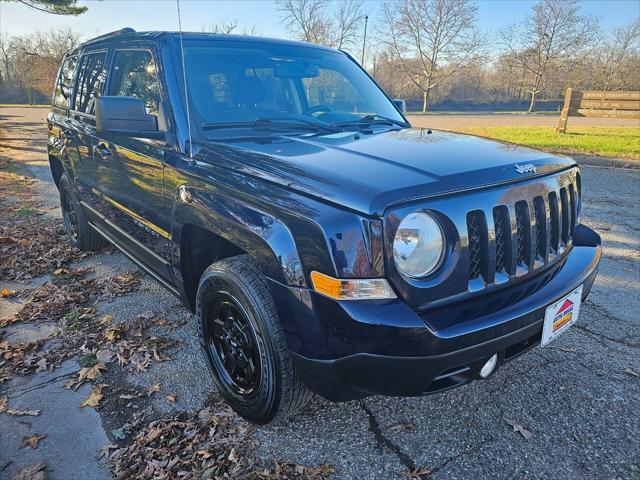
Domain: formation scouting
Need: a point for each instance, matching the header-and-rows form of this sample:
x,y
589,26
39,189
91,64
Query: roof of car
x,y
130,34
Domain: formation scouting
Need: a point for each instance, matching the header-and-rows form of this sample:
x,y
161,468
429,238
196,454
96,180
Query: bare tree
x,y
314,21
616,52
30,62
427,35
554,33
57,7
225,26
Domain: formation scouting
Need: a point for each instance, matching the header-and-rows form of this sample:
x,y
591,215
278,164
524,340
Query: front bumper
x,y
349,350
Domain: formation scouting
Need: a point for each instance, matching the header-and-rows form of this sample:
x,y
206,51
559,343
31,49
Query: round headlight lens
x,y
418,247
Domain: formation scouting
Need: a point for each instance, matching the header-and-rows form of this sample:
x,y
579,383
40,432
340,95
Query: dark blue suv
x,y
324,244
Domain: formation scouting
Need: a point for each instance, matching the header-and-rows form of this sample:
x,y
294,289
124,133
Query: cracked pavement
x,y
579,397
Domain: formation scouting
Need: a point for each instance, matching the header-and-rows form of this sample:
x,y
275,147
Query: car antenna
x,y
184,79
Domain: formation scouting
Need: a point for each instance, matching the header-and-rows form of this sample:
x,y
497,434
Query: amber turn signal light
x,y
352,289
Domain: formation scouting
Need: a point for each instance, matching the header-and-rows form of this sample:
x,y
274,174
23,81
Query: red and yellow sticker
x,y
564,315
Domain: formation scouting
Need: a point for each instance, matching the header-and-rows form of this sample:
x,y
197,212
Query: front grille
x,y
524,235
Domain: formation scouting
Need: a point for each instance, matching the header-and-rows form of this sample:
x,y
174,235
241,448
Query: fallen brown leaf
x,y
94,398
42,365
403,426
113,333
32,440
153,389
105,355
5,292
171,397
105,451
416,473
520,429
17,413
85,374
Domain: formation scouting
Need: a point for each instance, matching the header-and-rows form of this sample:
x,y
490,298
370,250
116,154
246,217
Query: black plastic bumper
x,y
350,350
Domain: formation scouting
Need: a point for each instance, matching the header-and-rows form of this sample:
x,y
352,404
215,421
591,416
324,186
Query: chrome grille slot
x,y
555,222
523,226
565,216
502,225
541,230
573,209
478,246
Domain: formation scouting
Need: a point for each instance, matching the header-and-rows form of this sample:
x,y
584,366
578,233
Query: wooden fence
x,y
598,104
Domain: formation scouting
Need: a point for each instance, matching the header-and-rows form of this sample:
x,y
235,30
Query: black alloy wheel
x,y
232,343
80,232
69,215
244,343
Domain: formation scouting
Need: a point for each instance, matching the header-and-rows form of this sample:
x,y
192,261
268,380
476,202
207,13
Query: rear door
x,y
130,170
62,139
90,82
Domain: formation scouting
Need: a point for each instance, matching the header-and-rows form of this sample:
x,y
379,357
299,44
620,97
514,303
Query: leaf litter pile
x,y
69,301
211,443
30,243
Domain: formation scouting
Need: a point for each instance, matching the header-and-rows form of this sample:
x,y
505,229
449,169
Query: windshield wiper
x,y
274,123
372,120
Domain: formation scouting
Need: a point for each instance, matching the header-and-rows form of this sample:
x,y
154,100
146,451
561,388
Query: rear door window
x,y
135,75
92,75
64,84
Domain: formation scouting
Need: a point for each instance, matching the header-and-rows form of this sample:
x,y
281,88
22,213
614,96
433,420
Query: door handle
x,y
102,150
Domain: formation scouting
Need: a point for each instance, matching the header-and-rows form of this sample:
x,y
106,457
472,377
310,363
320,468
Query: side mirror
x,y
401,104
126,116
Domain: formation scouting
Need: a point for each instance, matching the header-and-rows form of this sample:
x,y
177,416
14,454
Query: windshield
x,y
241,82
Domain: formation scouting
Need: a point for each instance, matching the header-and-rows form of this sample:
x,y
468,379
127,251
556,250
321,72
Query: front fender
x,y
267,239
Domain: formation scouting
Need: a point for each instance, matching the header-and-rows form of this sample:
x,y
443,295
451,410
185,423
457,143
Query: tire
x,y
80,233
238,326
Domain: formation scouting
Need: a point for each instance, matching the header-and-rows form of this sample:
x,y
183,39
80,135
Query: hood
x,y
367,173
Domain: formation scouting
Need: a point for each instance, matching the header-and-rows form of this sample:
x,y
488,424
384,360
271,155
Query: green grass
x,y
483,112
23,105
621,142
27,211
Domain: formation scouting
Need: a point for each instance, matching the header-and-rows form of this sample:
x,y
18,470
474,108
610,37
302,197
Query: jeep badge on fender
x,y
323,245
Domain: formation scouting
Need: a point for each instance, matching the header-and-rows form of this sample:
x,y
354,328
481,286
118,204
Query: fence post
x,y
564,114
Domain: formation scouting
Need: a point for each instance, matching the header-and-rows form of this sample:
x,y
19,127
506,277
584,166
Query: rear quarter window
x,y
92,75
64,83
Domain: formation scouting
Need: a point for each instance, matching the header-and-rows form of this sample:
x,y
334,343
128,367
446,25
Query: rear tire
x,y
80,233
244,344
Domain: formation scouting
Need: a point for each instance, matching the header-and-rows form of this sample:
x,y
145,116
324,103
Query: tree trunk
x,y
425,100
532,105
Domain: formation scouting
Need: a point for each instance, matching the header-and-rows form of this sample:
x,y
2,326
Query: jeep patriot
x,y
324,245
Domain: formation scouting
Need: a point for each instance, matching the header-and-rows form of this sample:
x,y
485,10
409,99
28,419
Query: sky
x,y
107,15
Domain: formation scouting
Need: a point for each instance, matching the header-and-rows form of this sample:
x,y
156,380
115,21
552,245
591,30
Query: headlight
x,y
418,247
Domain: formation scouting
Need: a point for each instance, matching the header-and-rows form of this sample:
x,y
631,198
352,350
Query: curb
x,y
608,162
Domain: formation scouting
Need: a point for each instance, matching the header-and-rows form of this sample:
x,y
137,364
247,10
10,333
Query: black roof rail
x,y
115,33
